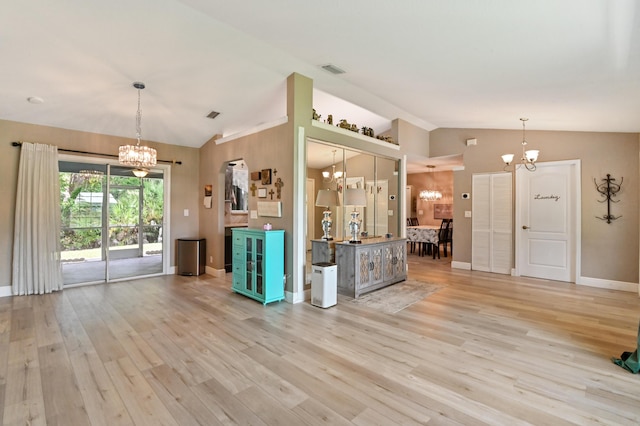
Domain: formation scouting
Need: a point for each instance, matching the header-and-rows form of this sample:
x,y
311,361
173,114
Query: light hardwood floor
x,y
486,349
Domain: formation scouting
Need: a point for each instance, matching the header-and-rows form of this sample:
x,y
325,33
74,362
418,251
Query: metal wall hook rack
x,y
608,189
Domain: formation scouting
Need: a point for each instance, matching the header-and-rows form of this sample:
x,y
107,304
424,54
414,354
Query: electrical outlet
x,y
467,213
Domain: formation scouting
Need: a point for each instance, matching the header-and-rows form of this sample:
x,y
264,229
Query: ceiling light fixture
x,y
139,156
430,195
332,176
529,157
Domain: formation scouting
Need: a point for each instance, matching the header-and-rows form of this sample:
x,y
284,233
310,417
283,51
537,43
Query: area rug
x,y
396,297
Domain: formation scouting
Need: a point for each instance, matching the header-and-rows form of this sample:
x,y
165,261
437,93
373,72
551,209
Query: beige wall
x,y
184,178
440,181
609,251
268,149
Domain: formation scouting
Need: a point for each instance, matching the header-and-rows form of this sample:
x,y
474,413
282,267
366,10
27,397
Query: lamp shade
x,y
327,198
531,155
507,158
355,197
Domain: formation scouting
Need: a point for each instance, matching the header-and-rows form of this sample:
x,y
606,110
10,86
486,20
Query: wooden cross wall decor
x,y
271,193
253,188
279,184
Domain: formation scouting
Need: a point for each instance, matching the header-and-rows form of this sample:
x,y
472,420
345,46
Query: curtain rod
x,y
97,153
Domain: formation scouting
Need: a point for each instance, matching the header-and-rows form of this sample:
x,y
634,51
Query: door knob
x,y
525,227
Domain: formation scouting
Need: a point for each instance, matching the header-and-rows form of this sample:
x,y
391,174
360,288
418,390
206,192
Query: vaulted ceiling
x,y
566,65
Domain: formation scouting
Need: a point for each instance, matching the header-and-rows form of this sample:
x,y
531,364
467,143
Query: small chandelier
x,y
529,157
139,156
430,195
332,176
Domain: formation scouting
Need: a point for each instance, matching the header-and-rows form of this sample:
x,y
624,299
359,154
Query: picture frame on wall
x,y
262,192
266,176
443,211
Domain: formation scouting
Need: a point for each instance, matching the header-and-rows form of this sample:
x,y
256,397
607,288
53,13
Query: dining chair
x,y
445,235
413,221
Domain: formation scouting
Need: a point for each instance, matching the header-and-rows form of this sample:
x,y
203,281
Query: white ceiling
x,y
566,65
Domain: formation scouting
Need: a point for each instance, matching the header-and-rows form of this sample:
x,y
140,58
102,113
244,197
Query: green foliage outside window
x,y
81,201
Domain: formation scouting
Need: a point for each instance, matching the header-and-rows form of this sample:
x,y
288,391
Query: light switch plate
x,y
186,212
467,213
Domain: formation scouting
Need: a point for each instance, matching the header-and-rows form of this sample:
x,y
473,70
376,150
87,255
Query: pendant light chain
x,y
139,120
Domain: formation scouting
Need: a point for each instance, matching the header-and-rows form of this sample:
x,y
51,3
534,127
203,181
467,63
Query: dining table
x,y
426,236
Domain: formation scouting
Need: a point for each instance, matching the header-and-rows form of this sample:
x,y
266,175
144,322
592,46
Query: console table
x,y
373,264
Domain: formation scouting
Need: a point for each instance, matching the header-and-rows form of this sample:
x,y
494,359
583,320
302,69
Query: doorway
x,y
112,223
548,221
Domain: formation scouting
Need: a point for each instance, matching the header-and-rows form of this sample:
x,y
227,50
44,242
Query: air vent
x,y
333,69
213,114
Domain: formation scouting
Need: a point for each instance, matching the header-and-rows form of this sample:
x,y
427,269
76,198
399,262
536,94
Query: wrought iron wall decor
x,y
608,189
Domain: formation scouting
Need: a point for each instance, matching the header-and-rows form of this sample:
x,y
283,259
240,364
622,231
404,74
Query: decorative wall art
x,y
256,176
265,174
279,184
208,196
262,192
270,208
443,211
609,190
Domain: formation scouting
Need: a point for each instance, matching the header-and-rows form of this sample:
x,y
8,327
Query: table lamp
x,y
356,197
327,198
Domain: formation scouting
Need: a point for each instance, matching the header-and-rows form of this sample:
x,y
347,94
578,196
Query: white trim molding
x,y
5,291
608,284
255,129
218,273
460,265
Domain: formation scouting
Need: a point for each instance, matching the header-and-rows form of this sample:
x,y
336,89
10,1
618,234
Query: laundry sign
x,y
546,197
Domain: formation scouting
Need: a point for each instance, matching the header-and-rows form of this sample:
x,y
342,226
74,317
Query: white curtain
x,y
36,238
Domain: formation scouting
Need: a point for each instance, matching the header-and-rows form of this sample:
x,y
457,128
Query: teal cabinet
x,y
258,264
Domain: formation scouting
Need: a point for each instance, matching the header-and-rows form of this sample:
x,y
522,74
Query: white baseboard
x,y
5,291
460,265
171,270
611,285
289,297
215,272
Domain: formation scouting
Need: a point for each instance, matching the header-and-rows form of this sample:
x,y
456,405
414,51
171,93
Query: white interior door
x,y
547,218
491,223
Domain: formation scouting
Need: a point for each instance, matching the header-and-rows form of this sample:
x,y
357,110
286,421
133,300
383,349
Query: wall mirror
x,y
337,168
236,184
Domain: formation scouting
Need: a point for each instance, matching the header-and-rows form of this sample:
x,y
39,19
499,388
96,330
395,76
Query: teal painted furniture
x,y
258,264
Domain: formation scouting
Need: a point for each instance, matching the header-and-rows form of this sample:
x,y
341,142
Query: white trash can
x,y
324,285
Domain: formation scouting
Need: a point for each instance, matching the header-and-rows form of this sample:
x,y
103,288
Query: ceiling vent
x,y
333,69
213,114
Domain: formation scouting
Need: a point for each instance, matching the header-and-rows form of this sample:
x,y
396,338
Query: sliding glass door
x,y
112,223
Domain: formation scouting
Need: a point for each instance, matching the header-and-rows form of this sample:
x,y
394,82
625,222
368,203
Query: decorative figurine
x,y
316,116
343,124
330,119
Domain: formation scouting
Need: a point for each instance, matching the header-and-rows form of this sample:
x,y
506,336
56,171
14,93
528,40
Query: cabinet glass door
x,y
249,281
259,267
